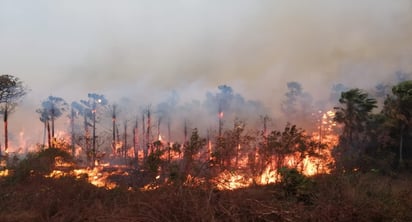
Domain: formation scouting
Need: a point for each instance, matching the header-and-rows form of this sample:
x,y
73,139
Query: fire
x,y
4,173
220,115
238,176
96,175
231,180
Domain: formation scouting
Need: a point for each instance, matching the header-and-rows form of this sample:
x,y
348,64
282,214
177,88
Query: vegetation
x,y
368,178
12,90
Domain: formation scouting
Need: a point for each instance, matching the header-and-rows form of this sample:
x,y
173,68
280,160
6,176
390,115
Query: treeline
x,y
228,132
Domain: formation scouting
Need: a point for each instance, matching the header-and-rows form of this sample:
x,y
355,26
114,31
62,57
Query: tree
x,y
12,91
50,110
93,103
298,103
82,110
191,147
354,113
398,107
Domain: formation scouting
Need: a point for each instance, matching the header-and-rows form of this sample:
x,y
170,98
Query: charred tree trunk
x,y
159,120
6,134
114,130
185,132
149,146
144,142
48,134
94,136
87,138
72,133
53,113
136,141
209,146
125,141
120,153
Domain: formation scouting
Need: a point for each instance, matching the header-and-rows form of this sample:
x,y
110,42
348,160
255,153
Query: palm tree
x,y
354,112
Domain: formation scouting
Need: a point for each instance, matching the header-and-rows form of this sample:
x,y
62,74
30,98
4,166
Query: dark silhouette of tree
x,y
81,110
354,113
190,149
398,107
92,105
12,91
50,110
298,104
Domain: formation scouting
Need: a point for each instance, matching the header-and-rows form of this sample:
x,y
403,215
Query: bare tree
x,y
92,104
12,91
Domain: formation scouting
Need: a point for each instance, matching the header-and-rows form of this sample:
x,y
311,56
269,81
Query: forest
x,y
226,158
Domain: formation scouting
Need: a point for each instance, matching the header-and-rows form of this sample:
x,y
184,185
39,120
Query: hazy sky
x,y
146,48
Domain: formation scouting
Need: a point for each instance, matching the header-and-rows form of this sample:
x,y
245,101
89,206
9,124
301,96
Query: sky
x,y
145,49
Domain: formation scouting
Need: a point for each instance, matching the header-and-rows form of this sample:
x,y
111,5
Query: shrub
x,y
39,163
296,184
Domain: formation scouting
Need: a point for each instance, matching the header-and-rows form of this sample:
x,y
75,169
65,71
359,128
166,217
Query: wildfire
x,y
4,173
239,177
95,176
232,180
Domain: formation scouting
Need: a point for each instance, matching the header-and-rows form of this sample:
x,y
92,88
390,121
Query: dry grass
x,y
356,197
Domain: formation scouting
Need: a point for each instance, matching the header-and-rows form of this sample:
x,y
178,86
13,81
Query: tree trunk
x,y
87,139
149,146
94,138
48,134
125,141
52,123
72,133
6,134
401,147
144,137
136,141
114,130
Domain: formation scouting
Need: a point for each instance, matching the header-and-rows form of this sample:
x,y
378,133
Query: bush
x,y
39,163
296,184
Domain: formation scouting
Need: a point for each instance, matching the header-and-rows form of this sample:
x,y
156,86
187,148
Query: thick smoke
x,y
145,50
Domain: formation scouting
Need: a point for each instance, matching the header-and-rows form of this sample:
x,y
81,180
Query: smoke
x,y
144,50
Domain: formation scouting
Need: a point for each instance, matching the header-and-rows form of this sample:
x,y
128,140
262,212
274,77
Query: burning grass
x,y
351,197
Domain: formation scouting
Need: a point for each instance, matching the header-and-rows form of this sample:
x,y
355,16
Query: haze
x,y
146,49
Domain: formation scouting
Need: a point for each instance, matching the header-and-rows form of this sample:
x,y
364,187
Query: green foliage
x,y
154,160
296,184
355,114
292,140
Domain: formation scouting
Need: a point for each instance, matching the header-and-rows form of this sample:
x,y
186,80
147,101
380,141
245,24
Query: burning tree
x,y
11,92
80,109
51,109
92,104
191,148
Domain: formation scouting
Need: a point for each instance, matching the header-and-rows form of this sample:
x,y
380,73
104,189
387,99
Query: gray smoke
x,y
144,50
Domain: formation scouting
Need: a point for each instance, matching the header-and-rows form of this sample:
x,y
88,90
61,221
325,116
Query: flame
x,y
220,115
4,173
232,180
94,176
226,180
